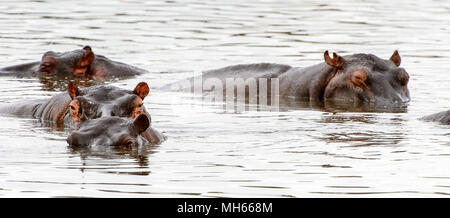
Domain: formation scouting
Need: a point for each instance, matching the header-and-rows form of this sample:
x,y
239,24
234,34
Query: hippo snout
x,y
401,99
70,140
110,131
75,139
393,98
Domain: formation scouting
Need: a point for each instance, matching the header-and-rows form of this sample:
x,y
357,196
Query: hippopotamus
x,y
110,131
441,117
76,106
351,79
76,63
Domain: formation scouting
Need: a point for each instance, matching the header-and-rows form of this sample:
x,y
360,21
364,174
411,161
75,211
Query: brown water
x,y
211,153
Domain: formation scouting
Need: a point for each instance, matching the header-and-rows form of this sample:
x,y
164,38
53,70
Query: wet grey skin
x,y
76,106
441,117
76,63
352,79
110,131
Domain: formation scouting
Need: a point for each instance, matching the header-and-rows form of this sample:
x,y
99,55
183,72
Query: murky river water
x,y
214,153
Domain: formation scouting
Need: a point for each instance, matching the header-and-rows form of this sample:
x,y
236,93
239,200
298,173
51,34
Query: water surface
x,y
304,152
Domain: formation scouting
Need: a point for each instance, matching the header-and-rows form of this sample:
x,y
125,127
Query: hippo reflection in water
x,y
76,63
77,106
352,80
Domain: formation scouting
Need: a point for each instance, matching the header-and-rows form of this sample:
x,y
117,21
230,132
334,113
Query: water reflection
x,y
119,156
286,104
55,83
360,130
344,106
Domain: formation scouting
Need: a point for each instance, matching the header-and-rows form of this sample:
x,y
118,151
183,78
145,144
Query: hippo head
x,y
366,78
106,101
72,63
110,131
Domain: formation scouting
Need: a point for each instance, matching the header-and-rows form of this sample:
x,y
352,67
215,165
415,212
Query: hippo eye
x,y
72,107
47,64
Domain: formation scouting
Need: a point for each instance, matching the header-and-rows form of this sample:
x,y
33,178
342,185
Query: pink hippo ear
x,y
395,58
141,90
73,90
337,61
85,61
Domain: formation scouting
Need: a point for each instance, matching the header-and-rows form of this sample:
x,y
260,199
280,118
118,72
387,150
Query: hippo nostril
x,y
401,100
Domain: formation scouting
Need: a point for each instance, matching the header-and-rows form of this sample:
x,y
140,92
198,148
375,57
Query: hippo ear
x,y
88,56
141,90
73,90
337,61
85,61
395,58
141,123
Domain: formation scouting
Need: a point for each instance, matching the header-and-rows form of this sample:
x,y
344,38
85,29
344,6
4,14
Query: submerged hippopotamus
x,y
351,79
110,131
441,117
77,106
76,63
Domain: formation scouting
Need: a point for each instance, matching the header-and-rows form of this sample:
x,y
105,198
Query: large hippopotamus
x,y
351,79
441,117
76,106
76,63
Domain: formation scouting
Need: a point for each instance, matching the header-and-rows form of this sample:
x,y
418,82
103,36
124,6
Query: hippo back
x,y
244,71
441,117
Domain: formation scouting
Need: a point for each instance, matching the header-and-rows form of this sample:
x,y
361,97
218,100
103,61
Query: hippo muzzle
x,y
110,131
